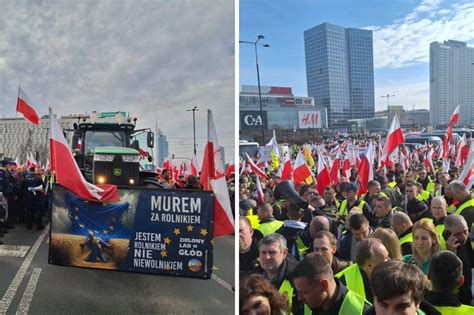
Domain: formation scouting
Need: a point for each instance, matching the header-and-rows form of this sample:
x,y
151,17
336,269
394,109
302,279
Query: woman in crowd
x,y
390,240
425,244
258,296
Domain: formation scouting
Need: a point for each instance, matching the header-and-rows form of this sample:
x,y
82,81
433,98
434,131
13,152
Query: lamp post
x,y
256,43
194,125
388,96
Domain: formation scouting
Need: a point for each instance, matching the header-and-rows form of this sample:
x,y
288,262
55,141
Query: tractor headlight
x,y
103,157
130,158
100,179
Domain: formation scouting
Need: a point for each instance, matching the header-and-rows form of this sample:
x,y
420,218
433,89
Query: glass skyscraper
x,y
340,71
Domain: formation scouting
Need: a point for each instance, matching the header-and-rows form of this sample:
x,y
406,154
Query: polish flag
x,y
24,106
336,165
454,119
301,171
213,178
323,179
68,174
346,169
462,149
428,160
259,190
167,165
194,166
230,170
394,138
287,171
255,168
366,170
467,174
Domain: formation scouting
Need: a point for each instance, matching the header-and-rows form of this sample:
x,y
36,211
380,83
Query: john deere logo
x,y
117,171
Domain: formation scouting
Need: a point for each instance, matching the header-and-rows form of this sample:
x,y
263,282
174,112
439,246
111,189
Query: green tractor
x,y
107,151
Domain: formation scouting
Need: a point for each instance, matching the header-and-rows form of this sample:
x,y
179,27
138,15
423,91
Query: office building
x,y
340,71
451,82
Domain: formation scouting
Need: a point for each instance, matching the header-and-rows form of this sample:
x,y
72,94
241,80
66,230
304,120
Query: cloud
x,y
406,42
154,59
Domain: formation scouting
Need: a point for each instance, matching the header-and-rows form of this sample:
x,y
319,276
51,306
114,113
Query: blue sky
x,y
402,29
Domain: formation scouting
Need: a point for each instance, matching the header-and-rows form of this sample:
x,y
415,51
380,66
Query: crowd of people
x,y
402,247
25,196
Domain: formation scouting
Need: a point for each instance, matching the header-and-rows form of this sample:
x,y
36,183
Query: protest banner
x,y
148,231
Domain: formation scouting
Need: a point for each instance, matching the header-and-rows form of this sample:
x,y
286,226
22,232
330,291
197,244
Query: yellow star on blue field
x,y
204,232
164,253
81,225
177,231
106,232
190,228
96,232
76,217
111,227
167,240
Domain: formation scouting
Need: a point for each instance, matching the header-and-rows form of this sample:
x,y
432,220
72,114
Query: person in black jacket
x,y
33,187
248,246
292,230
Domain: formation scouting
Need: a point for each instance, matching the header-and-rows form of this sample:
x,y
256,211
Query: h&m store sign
x,y
252,119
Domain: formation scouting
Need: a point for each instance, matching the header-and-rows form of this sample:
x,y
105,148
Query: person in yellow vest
x,y
248,246
325,243
439,210
427,183
352,201
370,253
332,204
458,242
403,226
292,229
276,266
458,191
321,292
268,223
446,278
398,289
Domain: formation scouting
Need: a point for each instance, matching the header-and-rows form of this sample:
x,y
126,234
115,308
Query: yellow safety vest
x,y
392,184
352,304
466,204
406,239
442,241
451,208
456,310
269,227
288,288
354,280
302,248
431,186
423,196
343,208
254,222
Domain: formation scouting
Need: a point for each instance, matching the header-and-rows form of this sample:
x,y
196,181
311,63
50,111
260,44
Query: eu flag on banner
x,y
102,220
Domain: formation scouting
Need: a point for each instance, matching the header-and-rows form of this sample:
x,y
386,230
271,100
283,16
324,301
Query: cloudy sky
x,y
402,32
152,58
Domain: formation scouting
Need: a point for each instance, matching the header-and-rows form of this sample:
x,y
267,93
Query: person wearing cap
x,y
352,201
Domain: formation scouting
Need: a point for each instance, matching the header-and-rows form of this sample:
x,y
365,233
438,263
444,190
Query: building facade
x,y
162,150
340,71
451,82
280,109
19,136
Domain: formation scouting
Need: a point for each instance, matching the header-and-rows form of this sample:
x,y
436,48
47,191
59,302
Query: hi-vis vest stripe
x,y
286,287
352,304
456,310
343,208
406,239
468,203
354,280
442,241
254,222
269,227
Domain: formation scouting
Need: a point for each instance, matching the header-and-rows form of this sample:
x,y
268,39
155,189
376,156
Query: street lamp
x,y
388,96
194,125
259,37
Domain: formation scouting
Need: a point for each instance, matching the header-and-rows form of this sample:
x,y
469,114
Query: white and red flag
x,y
25,106
467,174
462,149
194,166
259,190
323,178
366,170
287,172
454,119
255,168
346,169
335,167
67,172
428,160
394,138
213,178
301,171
